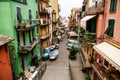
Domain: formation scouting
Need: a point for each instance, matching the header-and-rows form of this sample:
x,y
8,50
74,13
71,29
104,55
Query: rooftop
x,y
4,39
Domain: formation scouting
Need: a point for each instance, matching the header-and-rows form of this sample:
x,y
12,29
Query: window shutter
x,y
110,30
19,16
115,5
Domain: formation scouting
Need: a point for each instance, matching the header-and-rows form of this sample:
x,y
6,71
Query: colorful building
x,y
106,64
54,17
44,16
5,64
91,21
18,20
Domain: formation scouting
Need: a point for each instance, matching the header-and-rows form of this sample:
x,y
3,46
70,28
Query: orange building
x,y
5,67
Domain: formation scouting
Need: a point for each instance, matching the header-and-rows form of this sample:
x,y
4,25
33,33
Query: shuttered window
x,y
19,15
113,6
110,30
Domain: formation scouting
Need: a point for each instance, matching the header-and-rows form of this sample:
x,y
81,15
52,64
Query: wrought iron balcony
x,y
28,48
26,25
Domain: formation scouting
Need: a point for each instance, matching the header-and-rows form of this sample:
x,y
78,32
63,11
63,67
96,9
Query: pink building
x,y
106,55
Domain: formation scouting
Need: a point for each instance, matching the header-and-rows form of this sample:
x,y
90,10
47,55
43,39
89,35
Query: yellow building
x,y
54,17
44,18
55,6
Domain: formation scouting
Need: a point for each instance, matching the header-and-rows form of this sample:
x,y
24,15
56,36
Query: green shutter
x,y
113,5
110,30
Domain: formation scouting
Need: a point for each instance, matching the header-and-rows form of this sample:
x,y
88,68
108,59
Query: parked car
x,y
45,54
53,54
49,52
69,46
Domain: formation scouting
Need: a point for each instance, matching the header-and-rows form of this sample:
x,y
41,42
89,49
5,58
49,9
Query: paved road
x,y
58,69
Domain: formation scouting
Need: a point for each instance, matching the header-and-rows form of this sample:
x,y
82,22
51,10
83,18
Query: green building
x,y
18,21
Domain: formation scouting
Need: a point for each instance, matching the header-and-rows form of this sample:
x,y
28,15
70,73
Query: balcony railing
x,y
26,25
45,36
28,48
96,9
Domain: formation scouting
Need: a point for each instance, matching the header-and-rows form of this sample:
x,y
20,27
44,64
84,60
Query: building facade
x,y
18,20
106,54
5,58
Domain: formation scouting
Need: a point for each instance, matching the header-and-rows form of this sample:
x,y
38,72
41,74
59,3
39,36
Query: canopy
x,y
72,33
85,19
110,53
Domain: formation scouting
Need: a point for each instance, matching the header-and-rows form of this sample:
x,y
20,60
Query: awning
x,y
85,19
110,53
72,33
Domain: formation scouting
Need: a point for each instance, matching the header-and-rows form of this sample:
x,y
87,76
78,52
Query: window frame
x,y
113,6
111,25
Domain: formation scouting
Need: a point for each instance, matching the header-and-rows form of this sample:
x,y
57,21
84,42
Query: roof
x,y
4,39
110,53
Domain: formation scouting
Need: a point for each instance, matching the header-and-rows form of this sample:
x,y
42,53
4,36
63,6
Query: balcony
x,y
54,29
37,74
84,56
45,36
96,9
107,74
54,21
25,25
28,48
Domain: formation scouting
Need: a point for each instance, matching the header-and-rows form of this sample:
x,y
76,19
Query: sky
x,y
67,5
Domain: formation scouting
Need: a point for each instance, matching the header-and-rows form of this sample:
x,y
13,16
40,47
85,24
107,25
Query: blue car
x,y
45,54
47,51
53,54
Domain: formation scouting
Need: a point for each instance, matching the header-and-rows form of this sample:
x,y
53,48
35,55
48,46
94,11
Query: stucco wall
x,y
115,16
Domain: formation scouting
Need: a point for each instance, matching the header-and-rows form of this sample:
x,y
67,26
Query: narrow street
x,y
59,68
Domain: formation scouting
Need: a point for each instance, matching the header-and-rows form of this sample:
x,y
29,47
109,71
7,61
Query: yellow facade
x,y
55,6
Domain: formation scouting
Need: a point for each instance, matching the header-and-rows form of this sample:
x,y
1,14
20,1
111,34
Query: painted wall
x,y
115,16
55,6
5,67
99,30
7,23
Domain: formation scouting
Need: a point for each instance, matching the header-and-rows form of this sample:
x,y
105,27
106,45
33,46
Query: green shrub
x,y
72,55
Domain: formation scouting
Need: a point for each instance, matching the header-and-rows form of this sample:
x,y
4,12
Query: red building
x,y
5,66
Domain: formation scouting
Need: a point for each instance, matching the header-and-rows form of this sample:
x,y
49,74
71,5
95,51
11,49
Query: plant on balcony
x,y
35,61
72,55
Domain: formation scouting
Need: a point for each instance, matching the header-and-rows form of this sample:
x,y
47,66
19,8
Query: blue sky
x,y
67,5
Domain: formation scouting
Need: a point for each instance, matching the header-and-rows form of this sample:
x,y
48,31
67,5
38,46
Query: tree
x,y
72,55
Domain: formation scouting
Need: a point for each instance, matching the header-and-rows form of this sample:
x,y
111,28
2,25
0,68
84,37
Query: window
x,y
30,16
113,6
36,14
19,16
110,30
21,1
106,63
83,8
